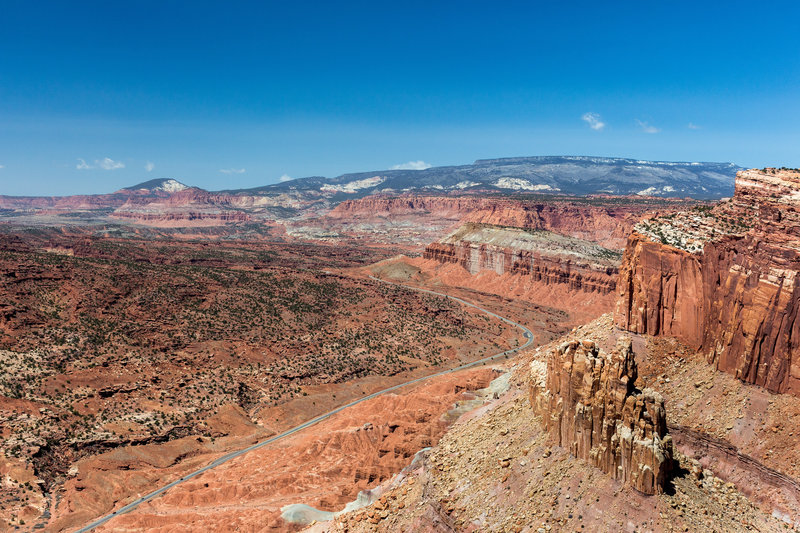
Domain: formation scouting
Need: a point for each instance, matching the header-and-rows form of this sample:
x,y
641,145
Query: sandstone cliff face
x,y
539,268
539,256
607,221
751,305
589,404
659,291
731,292
608,226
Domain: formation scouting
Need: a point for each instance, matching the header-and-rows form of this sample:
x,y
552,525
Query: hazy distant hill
x,y
565,175
158,184
547,174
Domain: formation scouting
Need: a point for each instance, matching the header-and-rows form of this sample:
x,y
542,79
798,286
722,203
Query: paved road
x,y
225,458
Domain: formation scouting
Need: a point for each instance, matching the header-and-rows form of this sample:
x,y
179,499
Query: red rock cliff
x,y
606,225
589,405
659,290
547,270
723,280
607,221
542,256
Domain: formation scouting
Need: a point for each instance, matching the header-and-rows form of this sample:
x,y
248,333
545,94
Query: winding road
x,y
225,458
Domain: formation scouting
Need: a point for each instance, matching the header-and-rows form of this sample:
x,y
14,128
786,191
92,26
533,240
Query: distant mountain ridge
x,y
158,184
572,175
564,175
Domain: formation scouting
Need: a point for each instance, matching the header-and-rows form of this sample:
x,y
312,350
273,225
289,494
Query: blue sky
x,y
95,96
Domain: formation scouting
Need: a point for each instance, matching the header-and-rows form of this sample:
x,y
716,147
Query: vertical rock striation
x,y
589,404
723,280
541,256
659,289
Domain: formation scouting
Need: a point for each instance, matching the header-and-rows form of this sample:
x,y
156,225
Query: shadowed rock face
x,y
589,405
723,280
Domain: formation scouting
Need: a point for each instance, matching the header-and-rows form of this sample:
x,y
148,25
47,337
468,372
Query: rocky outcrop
x,y
608,225
723,280
659,290
589,404
606,221
547,270
540,256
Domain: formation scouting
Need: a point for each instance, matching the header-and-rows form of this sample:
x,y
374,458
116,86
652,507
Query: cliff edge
x,y
722,280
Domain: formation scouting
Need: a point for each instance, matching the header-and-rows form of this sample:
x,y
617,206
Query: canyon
x,y
701,293
496,469
659,392
523,254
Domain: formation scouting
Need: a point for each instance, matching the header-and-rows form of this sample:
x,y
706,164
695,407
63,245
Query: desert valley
x,y
583,344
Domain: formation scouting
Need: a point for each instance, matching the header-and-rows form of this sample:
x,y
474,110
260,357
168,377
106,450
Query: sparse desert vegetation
x,y
115,342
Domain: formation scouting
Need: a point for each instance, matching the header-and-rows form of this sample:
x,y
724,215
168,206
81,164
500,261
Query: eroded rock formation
x,y
382,205
606,221
542,256
589,404
722,280
608,225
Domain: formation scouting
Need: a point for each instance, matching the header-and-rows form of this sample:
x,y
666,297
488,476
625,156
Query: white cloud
x,y
593,120
232,170
646,127
106,164
2,166
109,164
412,165
285,177
692,126
149,166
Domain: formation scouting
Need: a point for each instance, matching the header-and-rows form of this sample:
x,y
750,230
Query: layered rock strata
x,y
607,225
542,256
186,207
722,280
607,221
589,405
